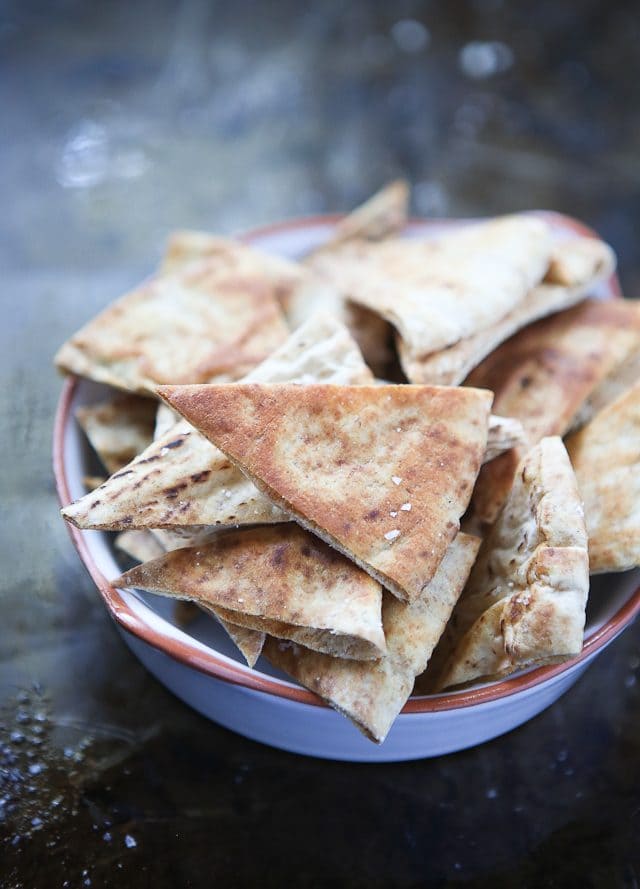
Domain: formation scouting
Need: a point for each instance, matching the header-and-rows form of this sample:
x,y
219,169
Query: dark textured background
x,y
124,120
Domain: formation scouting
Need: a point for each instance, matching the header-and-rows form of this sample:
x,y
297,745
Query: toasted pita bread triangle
x,y
118,429
183,480
143,546
280,575
606,458
383,214
525,601
372,694
435,292
193,325
576,267
543,374
383,473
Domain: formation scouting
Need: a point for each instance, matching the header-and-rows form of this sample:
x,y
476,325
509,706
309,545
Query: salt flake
x,y
406,507
391,535
396,479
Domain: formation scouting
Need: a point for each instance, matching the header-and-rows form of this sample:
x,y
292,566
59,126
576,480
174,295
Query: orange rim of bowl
x,y
213,664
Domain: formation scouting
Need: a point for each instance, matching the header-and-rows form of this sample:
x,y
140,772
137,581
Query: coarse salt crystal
x,y
406,507
391,535
396,479
393,514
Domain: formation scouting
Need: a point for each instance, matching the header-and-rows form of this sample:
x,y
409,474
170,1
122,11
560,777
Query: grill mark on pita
x,y
174,491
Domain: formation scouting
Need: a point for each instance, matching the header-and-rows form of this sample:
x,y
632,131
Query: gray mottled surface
x,y
122,121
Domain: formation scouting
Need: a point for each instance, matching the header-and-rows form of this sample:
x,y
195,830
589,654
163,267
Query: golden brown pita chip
x,y
543,374
435,292
372,694
118,429
190,326
576,267
282,575
183,480
525,600
606,458
383,473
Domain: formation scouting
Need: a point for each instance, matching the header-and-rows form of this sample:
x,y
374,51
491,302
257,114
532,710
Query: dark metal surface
x,y
122,121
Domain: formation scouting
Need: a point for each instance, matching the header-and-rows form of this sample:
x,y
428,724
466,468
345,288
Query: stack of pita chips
x,y
261,469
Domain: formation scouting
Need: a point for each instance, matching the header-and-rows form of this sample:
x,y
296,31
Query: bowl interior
x,y
204,639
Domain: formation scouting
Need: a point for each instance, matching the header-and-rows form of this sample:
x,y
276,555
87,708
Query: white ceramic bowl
x,y
201,666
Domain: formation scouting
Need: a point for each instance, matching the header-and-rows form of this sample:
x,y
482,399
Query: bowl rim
x,y
210,662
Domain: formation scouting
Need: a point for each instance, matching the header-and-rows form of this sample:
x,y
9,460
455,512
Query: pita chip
x,y
437,291
606,458
382,473
372,694
188,326
280,575
182,480
384,214
543,374
230,259
577,266
118,429
526,597
143,546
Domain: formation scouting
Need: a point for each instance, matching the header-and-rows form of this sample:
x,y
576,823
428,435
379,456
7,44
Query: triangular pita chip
x,y
183,480
525,601
143,546
383,473
576,267
190,326
230,258
437,291
372,694
383,214
606,458
118,429
281,575
543,374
